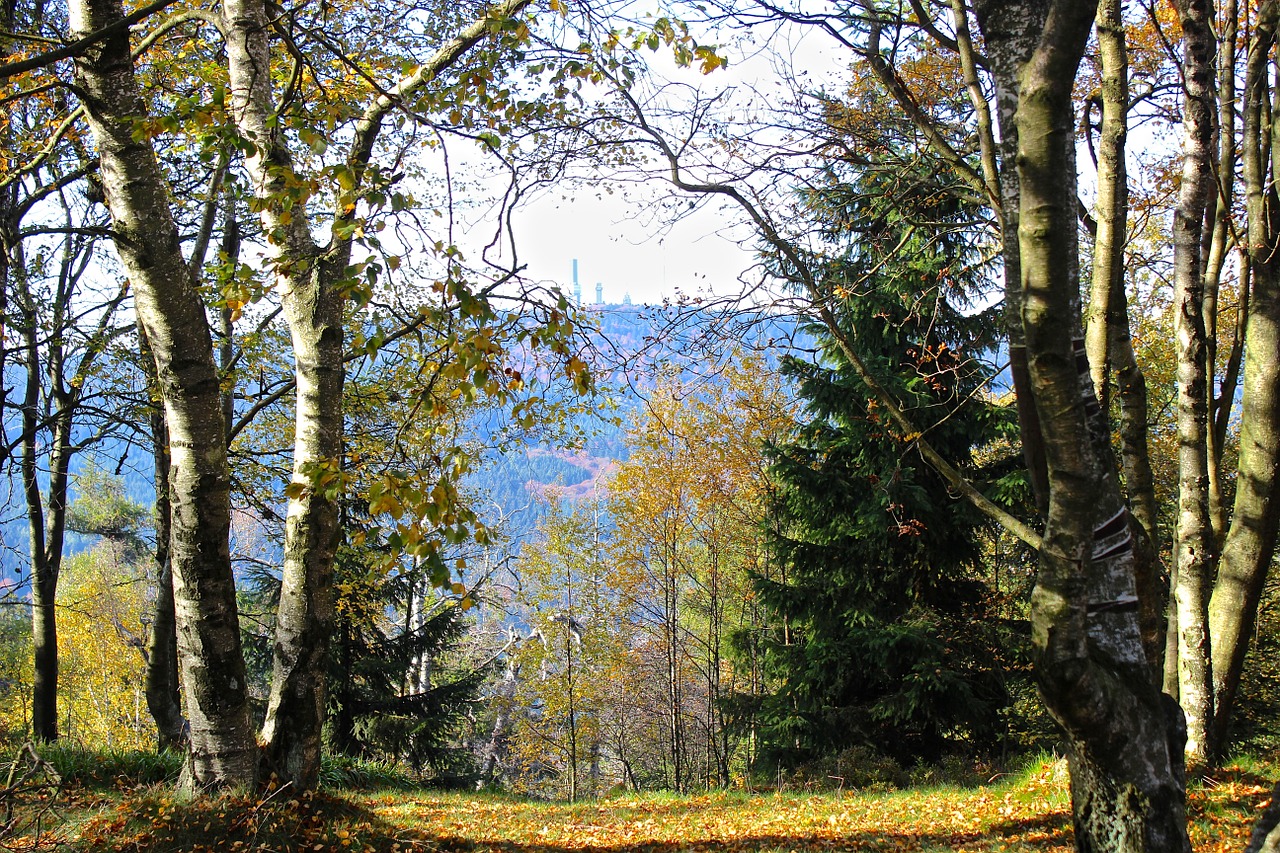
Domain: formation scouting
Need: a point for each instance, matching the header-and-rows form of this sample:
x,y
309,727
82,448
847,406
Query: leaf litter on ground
x,y
1027,812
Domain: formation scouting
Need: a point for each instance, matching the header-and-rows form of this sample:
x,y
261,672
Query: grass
x,y
1019,813
81,766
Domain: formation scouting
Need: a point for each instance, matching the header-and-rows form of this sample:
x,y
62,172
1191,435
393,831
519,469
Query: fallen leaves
x,y
977,820
1020,815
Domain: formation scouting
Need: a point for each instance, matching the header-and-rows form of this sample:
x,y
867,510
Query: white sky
x,y
632,247
618,245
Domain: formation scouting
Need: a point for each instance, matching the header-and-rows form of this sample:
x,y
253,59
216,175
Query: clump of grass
x,y
85,767
1227,800
954,771
341,772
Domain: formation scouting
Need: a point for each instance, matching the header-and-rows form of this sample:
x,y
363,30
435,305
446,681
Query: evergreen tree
x,y
400,685
399,688
879,633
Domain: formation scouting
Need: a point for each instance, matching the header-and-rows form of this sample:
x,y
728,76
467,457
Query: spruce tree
x,y
401,685
879,632
400,688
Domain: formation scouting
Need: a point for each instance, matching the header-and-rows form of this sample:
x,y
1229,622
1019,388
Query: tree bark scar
x,y
1087,396
1114,537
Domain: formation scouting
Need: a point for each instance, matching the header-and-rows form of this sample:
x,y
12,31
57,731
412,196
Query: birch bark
x,y
311,279
1251,538
1108,341
1194,551
223,752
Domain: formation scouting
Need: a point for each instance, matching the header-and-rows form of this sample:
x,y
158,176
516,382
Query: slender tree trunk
x,y
344,720
162,687
46,510
1127,791
44,576
1251,540
223,752
230,250
571,676
674,698
313,308
1230,382
1112,205
1223,196
1194,549
1107,336
1008,45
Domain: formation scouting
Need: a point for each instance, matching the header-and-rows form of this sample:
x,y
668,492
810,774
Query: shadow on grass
x,y
153,823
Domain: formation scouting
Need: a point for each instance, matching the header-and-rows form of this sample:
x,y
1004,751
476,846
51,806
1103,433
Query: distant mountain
x,y
631,349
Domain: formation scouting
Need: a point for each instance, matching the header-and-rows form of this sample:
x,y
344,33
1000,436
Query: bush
x,y
857,767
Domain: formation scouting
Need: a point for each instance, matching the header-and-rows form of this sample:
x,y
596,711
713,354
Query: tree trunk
x,y
230,250
223,751
1194,550
47,510
1113,198
1007,36
312,306
1127,792
44,575
1108,342
311,281
1251,540
1223,190
162,687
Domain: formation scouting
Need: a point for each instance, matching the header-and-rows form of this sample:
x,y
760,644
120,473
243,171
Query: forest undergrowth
x,y
1028,811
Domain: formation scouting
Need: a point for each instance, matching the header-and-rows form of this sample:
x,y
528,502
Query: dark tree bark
x,y
162,686
44,572
1127,789
51,401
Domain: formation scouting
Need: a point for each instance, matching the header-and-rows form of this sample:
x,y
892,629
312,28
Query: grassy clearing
x,y
1025,812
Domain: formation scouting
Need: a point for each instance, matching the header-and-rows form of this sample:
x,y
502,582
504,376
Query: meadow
x,y
1024,811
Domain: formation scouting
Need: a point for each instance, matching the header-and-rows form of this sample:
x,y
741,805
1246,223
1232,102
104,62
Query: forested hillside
x,y
630,348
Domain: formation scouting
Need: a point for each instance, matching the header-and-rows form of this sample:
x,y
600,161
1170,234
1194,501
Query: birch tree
x,y
1093,666
315,280
1090,663
222,752
1251,538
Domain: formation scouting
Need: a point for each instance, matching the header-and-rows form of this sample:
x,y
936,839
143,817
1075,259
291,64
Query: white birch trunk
x,y
223,751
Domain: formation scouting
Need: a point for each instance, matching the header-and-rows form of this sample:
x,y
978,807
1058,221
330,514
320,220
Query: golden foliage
x,y
101,637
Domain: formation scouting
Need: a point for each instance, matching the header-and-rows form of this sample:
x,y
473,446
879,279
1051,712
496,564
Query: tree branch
x,y
79,46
